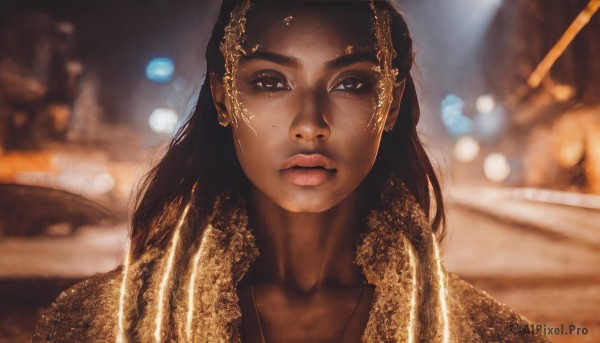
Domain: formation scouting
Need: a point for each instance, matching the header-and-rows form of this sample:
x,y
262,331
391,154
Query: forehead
x,y
270,24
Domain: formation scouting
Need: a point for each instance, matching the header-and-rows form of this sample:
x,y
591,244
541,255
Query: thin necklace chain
x,y
344,328
262,335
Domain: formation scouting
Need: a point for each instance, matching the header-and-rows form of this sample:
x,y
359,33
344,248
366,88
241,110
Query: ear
x,y
218,93
397,94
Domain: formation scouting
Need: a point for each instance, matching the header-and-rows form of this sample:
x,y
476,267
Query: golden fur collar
x,y
204,305
190,295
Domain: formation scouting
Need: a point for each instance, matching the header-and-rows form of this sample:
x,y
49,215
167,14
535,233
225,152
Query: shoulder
x,y
490,320
78,309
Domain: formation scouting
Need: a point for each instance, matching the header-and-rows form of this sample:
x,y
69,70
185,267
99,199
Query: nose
x,y
310,123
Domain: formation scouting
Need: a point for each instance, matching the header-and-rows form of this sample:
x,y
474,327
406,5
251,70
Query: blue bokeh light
x,y
453,117
160,69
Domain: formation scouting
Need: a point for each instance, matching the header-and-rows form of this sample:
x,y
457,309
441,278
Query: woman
x,y
293,205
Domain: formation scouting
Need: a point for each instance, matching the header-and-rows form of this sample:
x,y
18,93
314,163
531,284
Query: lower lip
x,y
307,177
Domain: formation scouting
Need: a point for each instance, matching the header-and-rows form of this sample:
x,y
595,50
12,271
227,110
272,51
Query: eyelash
x,y
262,78
367,84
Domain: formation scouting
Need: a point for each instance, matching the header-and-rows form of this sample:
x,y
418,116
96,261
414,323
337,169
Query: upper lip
x,y
308,160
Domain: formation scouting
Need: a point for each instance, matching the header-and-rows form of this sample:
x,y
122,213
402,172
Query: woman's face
x,y
308,83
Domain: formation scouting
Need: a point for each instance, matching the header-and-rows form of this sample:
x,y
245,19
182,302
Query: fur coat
x,y
184,295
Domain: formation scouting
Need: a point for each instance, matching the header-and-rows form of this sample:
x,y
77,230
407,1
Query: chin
x,y
307,204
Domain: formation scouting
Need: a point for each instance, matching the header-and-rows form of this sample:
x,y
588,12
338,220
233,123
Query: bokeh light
x,y
104,183
453,118
485,104
160,69
466,149
163,120
496,167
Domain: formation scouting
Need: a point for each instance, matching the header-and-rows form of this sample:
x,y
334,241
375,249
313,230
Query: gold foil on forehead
x,y
387,75
349,50
232,50
255,48
289,20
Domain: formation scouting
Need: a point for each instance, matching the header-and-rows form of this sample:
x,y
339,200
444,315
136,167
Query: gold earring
x,y
224,119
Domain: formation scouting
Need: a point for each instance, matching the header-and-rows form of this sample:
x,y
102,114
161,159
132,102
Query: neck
x,y
306,251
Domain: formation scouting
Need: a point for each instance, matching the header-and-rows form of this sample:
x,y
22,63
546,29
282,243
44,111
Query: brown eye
x,y
269,83
353,84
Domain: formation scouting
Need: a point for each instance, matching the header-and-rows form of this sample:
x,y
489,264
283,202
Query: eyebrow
x,y
347,60
287,61
271,57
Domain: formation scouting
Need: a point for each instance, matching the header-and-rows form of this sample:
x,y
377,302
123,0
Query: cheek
x,y
251,146
267,110
257,145
361,150
351,115
353,128
267,118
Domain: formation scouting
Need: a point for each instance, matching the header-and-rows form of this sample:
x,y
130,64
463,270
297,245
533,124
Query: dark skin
x,y
309,94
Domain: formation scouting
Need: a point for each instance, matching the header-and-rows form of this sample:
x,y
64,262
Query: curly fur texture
x,y
219,259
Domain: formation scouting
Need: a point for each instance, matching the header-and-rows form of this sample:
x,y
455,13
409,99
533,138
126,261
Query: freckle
x,y
273,126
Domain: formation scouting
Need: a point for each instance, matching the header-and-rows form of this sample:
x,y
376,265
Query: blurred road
x,y
35,270
542,260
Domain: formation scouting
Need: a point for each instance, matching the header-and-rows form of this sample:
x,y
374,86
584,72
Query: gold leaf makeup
x,y
386,74
255,48
289,20
349,50
232,50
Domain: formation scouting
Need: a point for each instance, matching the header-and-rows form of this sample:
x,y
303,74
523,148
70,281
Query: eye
x,y
268,82
354,84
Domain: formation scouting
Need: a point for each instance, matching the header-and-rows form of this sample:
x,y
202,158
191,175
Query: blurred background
x,y
92,92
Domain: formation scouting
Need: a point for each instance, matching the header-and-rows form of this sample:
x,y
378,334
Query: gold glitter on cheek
x,y
232,50
289,20
386,74
241,147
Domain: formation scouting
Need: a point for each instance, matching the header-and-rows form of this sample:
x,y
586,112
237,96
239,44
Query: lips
x,y
308,169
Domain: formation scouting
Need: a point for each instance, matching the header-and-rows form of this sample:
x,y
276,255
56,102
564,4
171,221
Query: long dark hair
x,y
203,153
